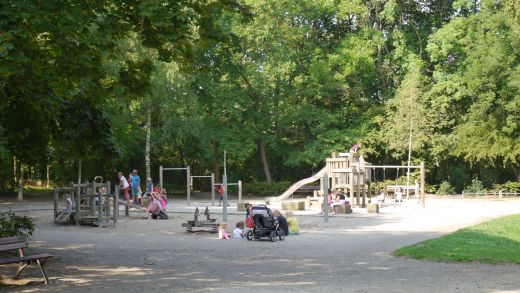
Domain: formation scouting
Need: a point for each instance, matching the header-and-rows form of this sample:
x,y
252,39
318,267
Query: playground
x,y
351,253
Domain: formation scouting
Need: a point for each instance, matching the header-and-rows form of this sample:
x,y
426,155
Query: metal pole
x,y
188,187
422,196
212,189
224,183
325,199
161,176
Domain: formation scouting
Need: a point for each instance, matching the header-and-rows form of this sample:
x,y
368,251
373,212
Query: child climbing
x,y
294,228
64,216
123,184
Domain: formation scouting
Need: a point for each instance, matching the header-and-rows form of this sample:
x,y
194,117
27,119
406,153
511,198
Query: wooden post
x,y
78,204
363,193
188,189
325,198
212,189
422,197
100,202
239,191
351,186
116,204
56,199
358,202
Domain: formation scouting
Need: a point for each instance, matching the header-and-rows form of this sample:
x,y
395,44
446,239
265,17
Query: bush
x,y
512,186
13,225
475,187
445,188
266,189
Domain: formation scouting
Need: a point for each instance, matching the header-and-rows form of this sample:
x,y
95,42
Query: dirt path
x,y
350,254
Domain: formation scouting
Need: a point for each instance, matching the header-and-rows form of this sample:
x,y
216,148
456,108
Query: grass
x,y
496,241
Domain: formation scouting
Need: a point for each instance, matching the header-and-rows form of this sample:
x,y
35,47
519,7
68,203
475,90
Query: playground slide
x,y
299,184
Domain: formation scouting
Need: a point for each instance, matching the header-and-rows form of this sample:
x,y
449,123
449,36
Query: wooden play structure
x,y
201,224
93,203
346,172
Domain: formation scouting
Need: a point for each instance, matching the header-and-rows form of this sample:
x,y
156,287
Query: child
x,y
282,222
155,209
149,185
294,229
238,232
64,215
135,181
398,197
221,195
222,234
123,184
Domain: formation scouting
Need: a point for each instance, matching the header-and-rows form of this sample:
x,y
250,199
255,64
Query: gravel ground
x,y
350,253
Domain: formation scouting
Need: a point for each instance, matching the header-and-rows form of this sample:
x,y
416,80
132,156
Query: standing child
x,y
222,234
135,181
238,232
294,228
398,197
221,195
123,184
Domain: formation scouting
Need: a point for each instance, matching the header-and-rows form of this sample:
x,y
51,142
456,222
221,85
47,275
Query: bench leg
x,y
21,267
40,264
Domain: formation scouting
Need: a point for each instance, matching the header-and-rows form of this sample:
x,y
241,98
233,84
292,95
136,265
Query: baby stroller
x,y
264,224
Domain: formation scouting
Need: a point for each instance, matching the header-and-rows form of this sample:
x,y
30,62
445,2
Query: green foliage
x,y
475,187
496,241
13,225
445,188
266,189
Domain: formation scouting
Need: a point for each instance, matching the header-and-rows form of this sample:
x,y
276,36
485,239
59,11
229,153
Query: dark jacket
x,y
282,222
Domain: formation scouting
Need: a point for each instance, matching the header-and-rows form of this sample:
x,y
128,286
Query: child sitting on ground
x,y
222,234
294,229
238,232
282,222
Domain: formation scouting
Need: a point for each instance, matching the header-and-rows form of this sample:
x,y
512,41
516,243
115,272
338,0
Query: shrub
x,y
512,186
475,187
13,225
445,188
266,189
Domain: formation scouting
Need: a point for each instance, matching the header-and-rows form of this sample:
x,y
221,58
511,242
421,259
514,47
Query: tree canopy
x,y
279,85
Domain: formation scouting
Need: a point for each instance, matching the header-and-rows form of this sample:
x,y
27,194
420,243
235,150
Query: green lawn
x,y
496,241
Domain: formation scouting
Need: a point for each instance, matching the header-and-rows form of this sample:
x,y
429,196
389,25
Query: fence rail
x,y
491,193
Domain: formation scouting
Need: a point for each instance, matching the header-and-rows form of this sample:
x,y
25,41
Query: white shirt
x,y
237,233
122,179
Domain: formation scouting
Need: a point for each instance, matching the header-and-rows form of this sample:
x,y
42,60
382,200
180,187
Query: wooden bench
x,y
19,243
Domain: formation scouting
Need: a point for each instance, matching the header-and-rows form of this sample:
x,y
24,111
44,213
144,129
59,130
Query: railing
x,y
490,193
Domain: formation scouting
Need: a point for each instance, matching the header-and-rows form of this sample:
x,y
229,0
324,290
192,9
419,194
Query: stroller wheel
x,y
273,236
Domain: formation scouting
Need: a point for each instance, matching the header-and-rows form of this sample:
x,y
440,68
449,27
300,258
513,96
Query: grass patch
x,y
496,241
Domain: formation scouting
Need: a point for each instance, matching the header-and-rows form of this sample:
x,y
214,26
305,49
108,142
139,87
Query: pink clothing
x,y
155,205
222,234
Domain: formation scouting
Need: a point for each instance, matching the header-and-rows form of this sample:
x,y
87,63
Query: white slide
x,y
299,184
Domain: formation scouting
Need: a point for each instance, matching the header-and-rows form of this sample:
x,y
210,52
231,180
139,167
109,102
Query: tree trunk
x,y
48,176
148,142
20,181
79,172
263,157
15,170
214,159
